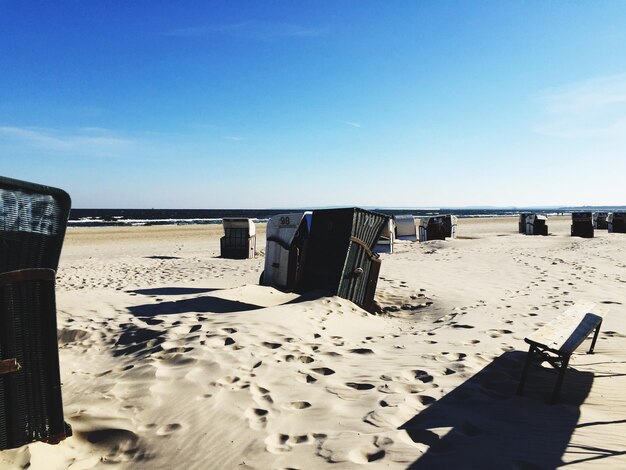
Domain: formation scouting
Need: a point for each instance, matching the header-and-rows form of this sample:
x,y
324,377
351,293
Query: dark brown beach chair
x,y
33,220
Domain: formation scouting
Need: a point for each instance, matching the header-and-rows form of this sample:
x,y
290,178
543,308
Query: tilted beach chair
x,y
340,257
33,219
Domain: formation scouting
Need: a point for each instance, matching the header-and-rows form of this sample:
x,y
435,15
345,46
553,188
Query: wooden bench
x,y
556,341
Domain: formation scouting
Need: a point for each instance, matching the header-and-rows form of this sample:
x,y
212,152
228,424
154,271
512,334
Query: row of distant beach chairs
x,y
583,223
239,240
335,250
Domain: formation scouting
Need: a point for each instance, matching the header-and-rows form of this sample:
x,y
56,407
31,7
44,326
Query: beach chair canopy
x,y
616,222
33,219
387,237
405,226
431,221
583,224
285,249
450,223
431,228
246,225
522,221
601,220
239,240
536,224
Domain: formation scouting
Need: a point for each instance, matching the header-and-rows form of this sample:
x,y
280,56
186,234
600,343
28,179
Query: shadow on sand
x,y
492,428
172,291
203,304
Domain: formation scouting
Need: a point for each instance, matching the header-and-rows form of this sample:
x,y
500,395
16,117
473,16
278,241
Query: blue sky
x,y
288,104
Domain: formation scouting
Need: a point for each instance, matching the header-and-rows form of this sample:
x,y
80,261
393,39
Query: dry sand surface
x,y
173,358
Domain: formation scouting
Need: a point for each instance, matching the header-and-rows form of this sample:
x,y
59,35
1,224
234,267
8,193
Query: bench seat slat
x,y
565,333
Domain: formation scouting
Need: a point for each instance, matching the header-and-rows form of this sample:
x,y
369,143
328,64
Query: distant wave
x,y
145,217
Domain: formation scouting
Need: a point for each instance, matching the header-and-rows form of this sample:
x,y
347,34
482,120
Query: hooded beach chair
x,y
522,221
431,228
405,227
616,222
387,237
340,257
239,240
582,224
450,223
33,219
536,224
601,220
285,249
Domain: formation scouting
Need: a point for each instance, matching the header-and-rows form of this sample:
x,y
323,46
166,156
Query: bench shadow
x,y
492,428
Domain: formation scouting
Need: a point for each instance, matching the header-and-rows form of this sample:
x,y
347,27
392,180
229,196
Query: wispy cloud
x,y
352,124
87,141
234,138
255,30
591,108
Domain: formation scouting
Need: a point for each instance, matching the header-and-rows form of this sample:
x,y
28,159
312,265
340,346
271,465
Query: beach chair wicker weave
x,y
340,255
33,220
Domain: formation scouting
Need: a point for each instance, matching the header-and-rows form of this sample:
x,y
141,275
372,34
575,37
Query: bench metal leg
x,y
595,337
529,360
559,380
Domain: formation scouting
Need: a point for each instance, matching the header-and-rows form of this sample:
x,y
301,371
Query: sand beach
x,y
174,358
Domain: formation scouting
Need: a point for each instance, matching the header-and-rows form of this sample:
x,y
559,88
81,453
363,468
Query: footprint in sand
x,y
257,418
168,429
360,386
422,376
361,456
271,345
280,443
611,334
459,356
303,359
228,380
261,395
306,378
426,399
361,351
323,371
297,405
119,444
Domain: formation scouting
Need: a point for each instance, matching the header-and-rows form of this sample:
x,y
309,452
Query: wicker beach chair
x,y
239,240
33,220
339,254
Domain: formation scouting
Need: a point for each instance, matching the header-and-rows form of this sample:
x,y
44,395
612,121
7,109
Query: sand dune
x,y
172,357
